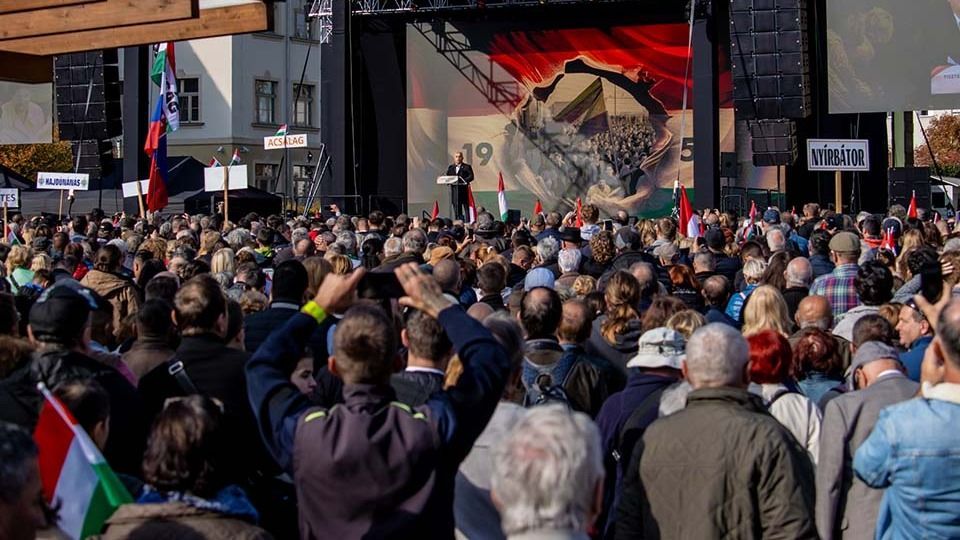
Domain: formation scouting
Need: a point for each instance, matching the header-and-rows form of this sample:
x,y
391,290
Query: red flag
x,y
579,212
471,206
912,211
753,213
436,210
823,225
537,208
685,212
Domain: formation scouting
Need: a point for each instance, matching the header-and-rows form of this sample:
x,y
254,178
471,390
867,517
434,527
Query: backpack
x,y
541,382
780,393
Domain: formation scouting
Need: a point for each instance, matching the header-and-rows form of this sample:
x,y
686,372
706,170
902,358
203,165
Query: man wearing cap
x,y
916,333
838,286
846,507
59,326
626,414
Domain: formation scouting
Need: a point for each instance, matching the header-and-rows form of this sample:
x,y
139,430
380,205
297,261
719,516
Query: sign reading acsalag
x,y
53,180
838,155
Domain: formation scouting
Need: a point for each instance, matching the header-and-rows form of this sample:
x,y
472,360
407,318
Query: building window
x,y
265,176
303,108
302,176
266,101
303,26
189,90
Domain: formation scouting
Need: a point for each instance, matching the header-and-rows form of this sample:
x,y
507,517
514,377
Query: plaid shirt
x,y
838,287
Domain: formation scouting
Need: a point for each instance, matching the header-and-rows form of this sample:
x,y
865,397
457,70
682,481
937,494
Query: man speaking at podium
x,y
465,172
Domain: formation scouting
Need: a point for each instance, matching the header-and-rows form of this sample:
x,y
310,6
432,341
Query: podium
x,y
454,182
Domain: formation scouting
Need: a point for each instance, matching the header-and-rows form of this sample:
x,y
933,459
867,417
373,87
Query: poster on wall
x,y
595,113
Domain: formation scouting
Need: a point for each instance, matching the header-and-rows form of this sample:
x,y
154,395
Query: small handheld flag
x,y
436,210
471,206
912,210
502,199
687,225
282,132
214,162
235,160
537,208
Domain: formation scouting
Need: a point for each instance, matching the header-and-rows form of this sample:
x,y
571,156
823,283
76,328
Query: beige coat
x,y
177,520
118,291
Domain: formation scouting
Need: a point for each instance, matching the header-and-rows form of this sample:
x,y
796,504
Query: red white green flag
x,y
73,472
282,132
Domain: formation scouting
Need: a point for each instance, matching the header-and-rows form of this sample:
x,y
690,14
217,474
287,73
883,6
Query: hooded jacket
x,y
118,291
621,350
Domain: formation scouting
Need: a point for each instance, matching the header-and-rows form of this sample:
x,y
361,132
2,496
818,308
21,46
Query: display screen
x,y
594,113
893,55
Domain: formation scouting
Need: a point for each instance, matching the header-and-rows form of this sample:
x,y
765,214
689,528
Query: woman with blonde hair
x,y
686,322
224,261
41,261
766,310
584,285
18,273
616,333
340,264
753,270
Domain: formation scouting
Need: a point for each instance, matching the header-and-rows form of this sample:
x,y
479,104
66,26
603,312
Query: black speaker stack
x,y
903,182
771,74
89,127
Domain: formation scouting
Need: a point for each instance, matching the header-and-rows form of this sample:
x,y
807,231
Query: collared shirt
x,y
838,287
423,369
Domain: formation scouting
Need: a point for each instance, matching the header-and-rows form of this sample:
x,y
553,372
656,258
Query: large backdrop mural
x,y
593,112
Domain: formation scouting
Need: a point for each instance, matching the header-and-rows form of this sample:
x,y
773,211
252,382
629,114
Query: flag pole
x,y
6,236
60,211
143,212
226,196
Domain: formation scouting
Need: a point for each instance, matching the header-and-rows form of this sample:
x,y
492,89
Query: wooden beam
x,y
106,14
25,68
238,19
10,6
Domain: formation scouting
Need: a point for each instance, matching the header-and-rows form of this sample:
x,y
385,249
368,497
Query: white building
x,y
236,90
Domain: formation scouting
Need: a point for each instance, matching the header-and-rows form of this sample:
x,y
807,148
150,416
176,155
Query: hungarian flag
x,y
214,162
689,221
912,210
471,206
235,160
282,132
889,243
579,213
753,213
502,199
537,208
163,75
74,473
436,210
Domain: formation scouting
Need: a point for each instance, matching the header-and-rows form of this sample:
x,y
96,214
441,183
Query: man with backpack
x,y
550,373
625,415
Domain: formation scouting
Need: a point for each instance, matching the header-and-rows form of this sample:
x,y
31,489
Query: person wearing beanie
x,y
59,325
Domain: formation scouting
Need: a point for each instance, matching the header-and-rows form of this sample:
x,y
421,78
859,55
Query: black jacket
x,y
495,301
217,371
622,350
257,326
415,387
466,172
20,402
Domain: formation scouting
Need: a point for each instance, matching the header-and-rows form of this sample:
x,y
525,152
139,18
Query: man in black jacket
x,y
428,352
58,324
465,172
286,297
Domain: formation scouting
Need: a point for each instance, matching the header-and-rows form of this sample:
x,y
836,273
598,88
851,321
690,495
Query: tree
x,y
944,136
29,159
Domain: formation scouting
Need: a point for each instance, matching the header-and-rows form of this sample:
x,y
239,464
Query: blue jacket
x,y
371,466
913,454
912,358
821,265
735,305
715,315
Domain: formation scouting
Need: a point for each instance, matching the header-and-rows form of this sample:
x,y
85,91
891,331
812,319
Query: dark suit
x,y
460,201
846,507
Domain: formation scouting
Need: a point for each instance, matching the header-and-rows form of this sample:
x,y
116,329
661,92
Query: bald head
x,y
480,311
447,274
815,312
799,273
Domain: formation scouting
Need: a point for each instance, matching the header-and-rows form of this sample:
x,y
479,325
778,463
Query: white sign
x,y
9,197
838,155
130,188
213,178
290,141
60,180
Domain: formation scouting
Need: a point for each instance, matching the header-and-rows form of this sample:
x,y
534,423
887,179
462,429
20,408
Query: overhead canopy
x,y
215,18
108,13
12,179
10,6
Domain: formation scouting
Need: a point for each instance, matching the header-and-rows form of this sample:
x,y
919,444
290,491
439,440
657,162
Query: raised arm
x,y
276,402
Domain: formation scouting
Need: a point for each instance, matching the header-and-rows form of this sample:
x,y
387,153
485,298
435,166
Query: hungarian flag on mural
x,y
282,132
502,199
587,111
912,210
73,472
471,206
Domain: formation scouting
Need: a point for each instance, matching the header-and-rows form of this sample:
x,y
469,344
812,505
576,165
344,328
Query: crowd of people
x,y
569,377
